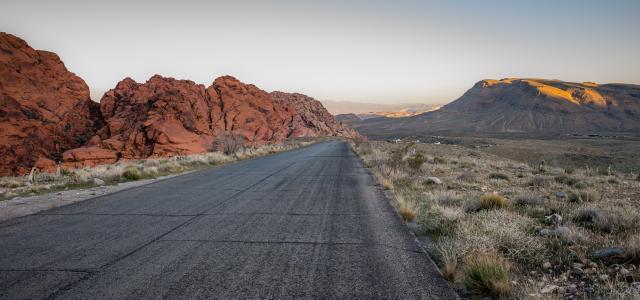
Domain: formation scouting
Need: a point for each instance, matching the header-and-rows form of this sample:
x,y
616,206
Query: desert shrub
x,y
488,274
228,143
438,220
416,161
467,177
583,196
45,177
632,248
606,172
607,220
503,230
131,173
9,182
566,180
446,198
493,201
437,160
528,200
170,166
538,181
150,171
499,176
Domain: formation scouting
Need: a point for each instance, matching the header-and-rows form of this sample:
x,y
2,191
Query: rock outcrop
x,y
525,105
47,116
308,117
44,109
167,117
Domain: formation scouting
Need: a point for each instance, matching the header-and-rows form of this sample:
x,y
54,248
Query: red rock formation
x,y
44,108
167,117
248,110
308,117
162,117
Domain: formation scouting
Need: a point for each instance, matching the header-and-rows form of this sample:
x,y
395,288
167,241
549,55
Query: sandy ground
x,y
22,206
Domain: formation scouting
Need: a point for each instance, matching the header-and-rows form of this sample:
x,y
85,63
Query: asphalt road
x,y
309,223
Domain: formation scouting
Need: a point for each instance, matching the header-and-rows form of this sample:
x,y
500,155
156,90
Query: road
x,y
308,223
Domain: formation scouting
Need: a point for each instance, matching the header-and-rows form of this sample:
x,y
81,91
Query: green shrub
x,y
131,174
488,275
499,176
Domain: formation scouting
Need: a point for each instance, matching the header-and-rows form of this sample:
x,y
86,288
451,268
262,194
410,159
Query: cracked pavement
x,y
308,223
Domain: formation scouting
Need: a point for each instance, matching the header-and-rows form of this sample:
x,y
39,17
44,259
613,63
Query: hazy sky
x,y
369,51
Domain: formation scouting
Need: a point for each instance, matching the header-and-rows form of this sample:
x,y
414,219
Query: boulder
x,y
608,252
88,157
553,219
45,165
432,180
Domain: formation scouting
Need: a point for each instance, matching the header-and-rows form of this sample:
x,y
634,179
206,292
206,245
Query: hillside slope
x,y
526,105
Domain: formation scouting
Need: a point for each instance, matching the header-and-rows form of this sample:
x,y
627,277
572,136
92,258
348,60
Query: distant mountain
x,y
525,105
374,110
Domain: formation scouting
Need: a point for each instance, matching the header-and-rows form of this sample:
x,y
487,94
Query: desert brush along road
x,y
309,223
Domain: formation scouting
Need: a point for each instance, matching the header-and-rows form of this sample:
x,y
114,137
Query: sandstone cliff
x,y
44,109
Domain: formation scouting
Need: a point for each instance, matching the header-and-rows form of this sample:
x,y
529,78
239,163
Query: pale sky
x,y
364,51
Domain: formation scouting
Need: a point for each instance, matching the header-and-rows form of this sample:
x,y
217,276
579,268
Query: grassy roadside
x,y
503,229
132,170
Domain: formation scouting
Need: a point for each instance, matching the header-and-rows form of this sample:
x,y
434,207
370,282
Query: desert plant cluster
x,y
504,229
130,170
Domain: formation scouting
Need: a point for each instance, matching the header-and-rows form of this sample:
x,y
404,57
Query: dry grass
x,y
407,209
505,212
493,201
488,274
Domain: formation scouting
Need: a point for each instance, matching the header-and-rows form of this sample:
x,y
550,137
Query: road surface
x,y
308,223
